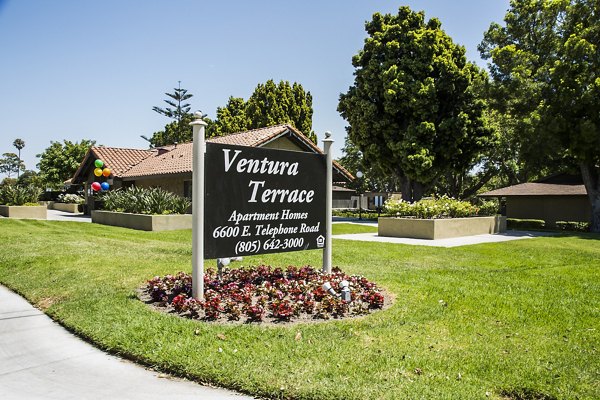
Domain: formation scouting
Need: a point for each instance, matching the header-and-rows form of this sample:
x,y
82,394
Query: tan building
x,y
170,167
558,197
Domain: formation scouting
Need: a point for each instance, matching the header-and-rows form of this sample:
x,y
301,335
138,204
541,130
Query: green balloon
x,y
98,163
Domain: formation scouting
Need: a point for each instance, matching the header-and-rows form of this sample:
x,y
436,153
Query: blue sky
x,y
73,69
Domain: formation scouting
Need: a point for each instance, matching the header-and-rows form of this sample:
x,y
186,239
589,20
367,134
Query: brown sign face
x,y
262,201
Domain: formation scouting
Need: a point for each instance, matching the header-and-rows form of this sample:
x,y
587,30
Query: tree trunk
x,y
418,189
472,190
406,189
411,191
591,180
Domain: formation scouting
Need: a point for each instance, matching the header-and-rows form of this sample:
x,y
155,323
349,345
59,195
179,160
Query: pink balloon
x,y
96,186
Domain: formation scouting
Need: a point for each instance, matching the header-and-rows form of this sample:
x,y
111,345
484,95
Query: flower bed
x,y
65,207
440,207
265,294
440,218
67,202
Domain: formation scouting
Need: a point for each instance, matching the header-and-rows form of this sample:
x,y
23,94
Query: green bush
x,y
145,201
573,226
353,213
515,223
488,207
13,195
441,207
70,198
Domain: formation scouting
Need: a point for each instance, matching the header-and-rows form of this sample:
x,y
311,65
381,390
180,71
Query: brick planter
x,y
440,228
143,222
24,212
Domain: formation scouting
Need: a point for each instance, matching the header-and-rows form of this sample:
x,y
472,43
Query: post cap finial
x,y
199,119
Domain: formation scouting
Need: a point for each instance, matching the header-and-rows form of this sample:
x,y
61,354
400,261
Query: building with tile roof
x,y
170,167
559,197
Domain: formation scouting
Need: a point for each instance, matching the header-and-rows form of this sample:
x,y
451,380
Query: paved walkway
x,y
41,360
55,215
451,242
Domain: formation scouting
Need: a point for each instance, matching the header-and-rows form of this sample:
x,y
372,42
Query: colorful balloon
x,y
105,186
99,163
96,186
106,172
98,172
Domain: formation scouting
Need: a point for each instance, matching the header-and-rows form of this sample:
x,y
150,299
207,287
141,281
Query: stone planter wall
x,y
440,228
143,222
24,212
66,207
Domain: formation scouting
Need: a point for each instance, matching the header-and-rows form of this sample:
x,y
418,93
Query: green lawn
x,y
513,320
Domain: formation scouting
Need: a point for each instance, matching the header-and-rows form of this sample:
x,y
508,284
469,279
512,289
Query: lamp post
x,y
359,175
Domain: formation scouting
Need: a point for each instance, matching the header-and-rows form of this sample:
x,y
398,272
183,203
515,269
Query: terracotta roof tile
x,y
537,189
251,138
175,159
119,160
164,161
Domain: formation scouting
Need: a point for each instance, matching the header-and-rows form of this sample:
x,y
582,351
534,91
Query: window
x,y
187,189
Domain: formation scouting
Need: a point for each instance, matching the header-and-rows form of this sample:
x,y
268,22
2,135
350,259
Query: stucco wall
x,y
440,228
171,183
549,208
283,143
25,212
143,222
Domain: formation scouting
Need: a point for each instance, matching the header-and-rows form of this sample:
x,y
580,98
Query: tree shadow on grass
x,y
525,394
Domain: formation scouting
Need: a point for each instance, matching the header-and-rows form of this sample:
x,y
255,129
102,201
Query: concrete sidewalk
x,y
451,242
55,215
41,360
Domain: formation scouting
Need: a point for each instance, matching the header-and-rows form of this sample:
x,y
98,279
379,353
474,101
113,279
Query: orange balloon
x,y
106,172
98,172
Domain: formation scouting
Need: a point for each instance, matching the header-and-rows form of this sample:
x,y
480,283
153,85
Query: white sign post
x,y
327,142
199,145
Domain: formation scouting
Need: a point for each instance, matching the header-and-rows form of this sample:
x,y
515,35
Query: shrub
x,y
573,226
515,223
13,195
70,198
488,207
353,213
145,201
441,207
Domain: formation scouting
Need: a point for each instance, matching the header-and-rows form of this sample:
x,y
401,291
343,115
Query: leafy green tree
x,y
272,104
522,55
269,104
19,144
545,64
31,178
59,161
231,118
10,163
8,182
174,132
414,110
373,178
